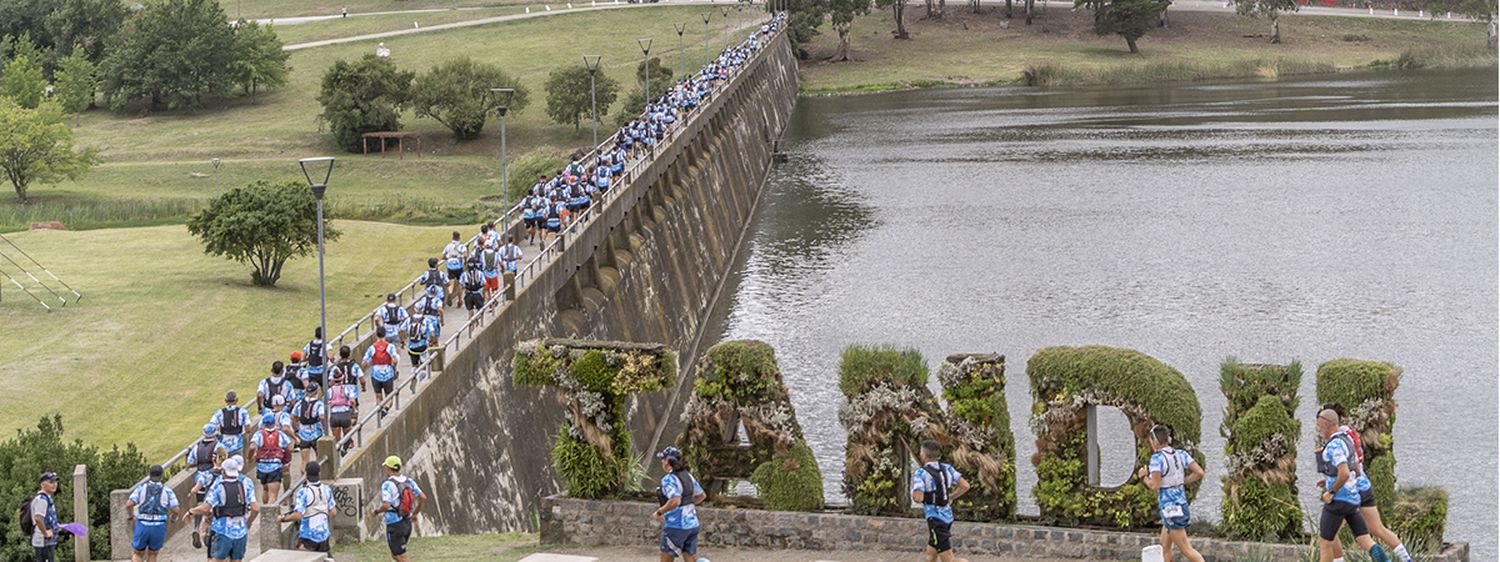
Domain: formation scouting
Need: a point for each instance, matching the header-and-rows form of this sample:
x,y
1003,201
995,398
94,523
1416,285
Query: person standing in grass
x,y
1168,473
231,421
150,505
44,522
313,506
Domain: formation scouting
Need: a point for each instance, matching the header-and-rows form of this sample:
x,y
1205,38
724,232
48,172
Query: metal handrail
x,y
355,435
406,294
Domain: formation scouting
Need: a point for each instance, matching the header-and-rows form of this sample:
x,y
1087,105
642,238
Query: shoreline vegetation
x,y
966,49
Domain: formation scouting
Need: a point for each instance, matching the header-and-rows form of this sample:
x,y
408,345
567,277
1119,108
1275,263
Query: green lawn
x,y
261,9
155,157
362,25
503,547
163,329
974,49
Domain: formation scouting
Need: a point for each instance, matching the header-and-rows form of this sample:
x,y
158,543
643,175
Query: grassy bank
x,y
361,25
966,49
163,329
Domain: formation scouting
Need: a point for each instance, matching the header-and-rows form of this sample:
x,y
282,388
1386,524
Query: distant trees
x,y
1130,19
363,96
36,146
74,83
88,24
1269,9
262,224
841,14
23,81
898,11
568,95
172,54
456,93
259,61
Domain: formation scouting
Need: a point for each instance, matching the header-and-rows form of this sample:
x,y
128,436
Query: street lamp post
x,y
706,16
680,27
592,62
645,44
310,167
724,10
502,97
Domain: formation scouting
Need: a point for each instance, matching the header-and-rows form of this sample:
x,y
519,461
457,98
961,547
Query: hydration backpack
x,y
271,448
338,396
382,355
406,498
433,277
685,480
489,258
307,413
272,389
939,496
315,350
204,454
234,500
24,516
431,305
152,504
392,315
230,423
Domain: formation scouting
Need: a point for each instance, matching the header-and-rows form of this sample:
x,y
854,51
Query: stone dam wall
x,y
647,269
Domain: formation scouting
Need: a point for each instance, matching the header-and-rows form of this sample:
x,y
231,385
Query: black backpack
x,y
938,497
24,516
234,500
392,315
230,419
315,350
686,481
273,389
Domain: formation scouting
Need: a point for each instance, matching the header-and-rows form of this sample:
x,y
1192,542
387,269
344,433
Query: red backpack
x,y
271,448
406,498
382,353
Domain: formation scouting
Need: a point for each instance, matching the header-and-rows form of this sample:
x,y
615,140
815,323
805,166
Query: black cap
x,y
155,473
390,297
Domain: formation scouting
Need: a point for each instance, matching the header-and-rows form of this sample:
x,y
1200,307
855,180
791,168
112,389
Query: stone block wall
x,y
623,523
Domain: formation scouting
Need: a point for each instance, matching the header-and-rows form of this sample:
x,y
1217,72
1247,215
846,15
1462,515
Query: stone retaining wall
x,y
623,523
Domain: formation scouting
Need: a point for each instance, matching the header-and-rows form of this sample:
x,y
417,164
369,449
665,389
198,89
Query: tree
x,y
262,224
568,95
26,18
1483,11
898,11
456,93
172,54
259,61
30,452
364,96
86,23
1130,19
74,83
841,14
37,147
1270,9
23,81
803,19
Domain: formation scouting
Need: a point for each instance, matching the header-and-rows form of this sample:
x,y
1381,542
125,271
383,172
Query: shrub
x,y
1419,516
568,95
790,481
889,411
361,97
262,224
1064,380
862,366
1367,390
174,53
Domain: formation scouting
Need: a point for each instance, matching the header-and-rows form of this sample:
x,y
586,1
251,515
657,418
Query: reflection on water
x,y
1303,219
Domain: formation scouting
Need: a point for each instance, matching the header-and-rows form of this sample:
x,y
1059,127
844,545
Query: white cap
x,y
232,466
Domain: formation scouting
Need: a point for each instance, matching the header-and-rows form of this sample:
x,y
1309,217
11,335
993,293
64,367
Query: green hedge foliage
x,y
887,416
1367,390
1064,380
982,447
1419,516
1260,447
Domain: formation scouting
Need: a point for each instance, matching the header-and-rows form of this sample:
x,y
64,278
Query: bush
x,y
262,224
980,443
457,94
585,471
524,170
1419,516
790,481
24,457
361,97
1147,391
1367,390
889,411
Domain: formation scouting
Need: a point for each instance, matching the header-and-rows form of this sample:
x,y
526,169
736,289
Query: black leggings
x,y
1335,514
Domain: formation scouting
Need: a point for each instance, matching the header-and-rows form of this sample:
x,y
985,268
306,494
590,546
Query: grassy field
x,y
163,158
975,49
362,25
163,329
503,547
262,9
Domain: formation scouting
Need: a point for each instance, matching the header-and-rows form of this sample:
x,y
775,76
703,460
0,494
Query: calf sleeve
x,y
1377,554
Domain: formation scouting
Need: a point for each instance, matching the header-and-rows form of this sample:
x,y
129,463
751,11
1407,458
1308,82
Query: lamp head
x,y
311,167
502,97
645,44
592,62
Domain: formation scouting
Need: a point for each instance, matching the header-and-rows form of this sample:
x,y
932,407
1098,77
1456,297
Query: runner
x,y
314,507
430,307
1340,496
380,357
400,503
272,450
231,500
936,485
309,415
1367,507
472,280
510,257
1168,472
274,385
204,456
343,396
454,256
433,277
283,416
528,217
317,353
489,264
150,505
232,422
392,318
554,221
295,372
678,513
417,340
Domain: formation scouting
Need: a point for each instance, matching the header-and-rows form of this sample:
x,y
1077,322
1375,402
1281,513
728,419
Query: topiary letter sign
x,y
1260,448
1066,382
982,446
593,379
888,414
739,382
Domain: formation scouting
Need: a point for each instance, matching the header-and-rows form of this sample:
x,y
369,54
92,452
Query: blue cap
x,y
669,453
210,429
268,419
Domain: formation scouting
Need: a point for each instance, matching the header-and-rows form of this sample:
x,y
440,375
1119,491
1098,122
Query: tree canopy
x,y
23,81
171,54
36,146
568,95
363,96
259,61
1130,19
262,224
456,93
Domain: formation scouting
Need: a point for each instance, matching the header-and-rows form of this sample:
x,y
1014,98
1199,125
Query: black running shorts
x,y
396,535
938,535
1335,514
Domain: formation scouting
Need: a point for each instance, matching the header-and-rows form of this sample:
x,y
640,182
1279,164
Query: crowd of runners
x,y
320,388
